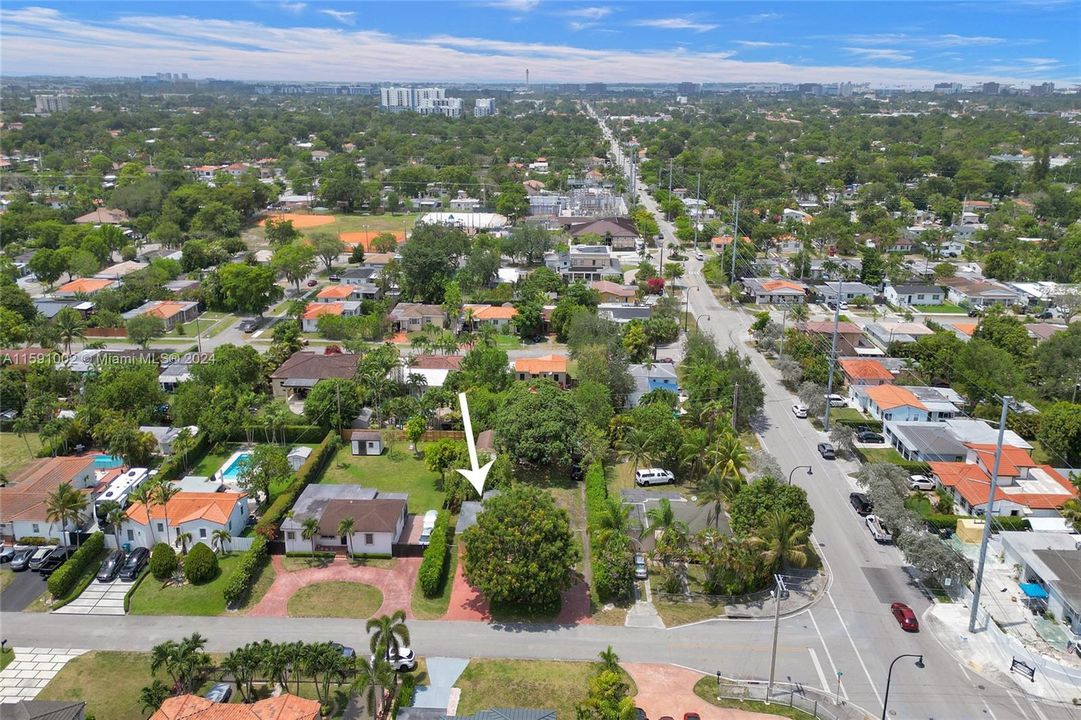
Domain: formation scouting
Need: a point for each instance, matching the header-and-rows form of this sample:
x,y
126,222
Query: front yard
x,y
337,600
16,451
395,471
151,598
535,684
943,308
108,682
425,608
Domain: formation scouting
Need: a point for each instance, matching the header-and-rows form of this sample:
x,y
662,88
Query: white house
x,y
378,520
309,321
196,513
914,294
165,436
24,500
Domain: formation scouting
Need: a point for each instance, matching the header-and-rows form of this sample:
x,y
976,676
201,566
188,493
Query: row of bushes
x,y
875,425
433,568
246,571
67,575
613,560
38,540
596,494
284,434
940,521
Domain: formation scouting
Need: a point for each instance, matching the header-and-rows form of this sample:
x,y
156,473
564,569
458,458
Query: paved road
x,y
23,590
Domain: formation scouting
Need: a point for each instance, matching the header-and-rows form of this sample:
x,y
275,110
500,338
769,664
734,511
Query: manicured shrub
x,y
433,568
596,494
162,561
67,575
200,564
245,572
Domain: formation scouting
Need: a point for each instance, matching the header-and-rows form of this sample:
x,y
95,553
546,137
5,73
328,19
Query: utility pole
x,y
1006,400
833,355
735,403
697,209
735,238
776,623
669,189
198,334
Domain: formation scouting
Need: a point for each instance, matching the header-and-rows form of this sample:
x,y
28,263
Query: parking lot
x,y
99,599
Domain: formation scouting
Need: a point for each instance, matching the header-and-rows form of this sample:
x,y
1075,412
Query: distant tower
x,y
527,79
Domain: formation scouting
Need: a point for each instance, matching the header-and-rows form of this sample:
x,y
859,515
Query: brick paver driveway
x,y
669,690
395,583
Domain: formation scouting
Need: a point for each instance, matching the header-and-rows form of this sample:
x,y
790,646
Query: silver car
x,y
640,570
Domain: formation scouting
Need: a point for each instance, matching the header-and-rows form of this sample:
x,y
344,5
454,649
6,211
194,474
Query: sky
x,y
903,43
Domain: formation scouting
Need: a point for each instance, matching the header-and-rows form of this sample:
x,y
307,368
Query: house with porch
x,y
553,367
889,402
411,317
378,520
499,317
775,291
980,293
309,320
295,377
199,514
914,294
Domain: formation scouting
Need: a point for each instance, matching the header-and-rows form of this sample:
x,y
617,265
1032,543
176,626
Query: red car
x,y
905,617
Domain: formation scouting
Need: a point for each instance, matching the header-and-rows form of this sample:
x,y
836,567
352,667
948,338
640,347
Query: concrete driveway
x,y
99,599
23,590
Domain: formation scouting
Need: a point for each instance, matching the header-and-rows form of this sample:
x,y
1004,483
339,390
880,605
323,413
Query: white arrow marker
x,y
476,475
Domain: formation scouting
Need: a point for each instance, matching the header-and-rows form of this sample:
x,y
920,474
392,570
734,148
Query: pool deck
x,y
221,473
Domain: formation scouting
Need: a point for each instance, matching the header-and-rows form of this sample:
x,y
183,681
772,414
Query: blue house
x,y
661,376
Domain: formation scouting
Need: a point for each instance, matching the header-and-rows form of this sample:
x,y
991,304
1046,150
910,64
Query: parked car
x,y
870,436
920,482
653,476
861,503
699,256
134,563
975,312
8,552
40,555
692,716
346,651
335,278
799,410
20,560
427,525
55,559
312,283
826,450
403,660
640,570
836,400
220,693
878,530
249,325
110,566
1045,315
905,617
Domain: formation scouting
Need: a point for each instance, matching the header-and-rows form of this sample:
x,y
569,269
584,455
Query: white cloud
x,y
251,50
345,17
947,40
293,7
576,26
877,53
761,17
761,44
589,13
677,23
515,5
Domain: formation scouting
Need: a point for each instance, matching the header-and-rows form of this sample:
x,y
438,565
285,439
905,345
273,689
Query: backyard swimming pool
x,y
230,471
108,462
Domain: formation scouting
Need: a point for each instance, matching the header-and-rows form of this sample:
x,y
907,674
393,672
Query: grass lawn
x,y
212,462
150,598
397,471
6,656
262,583
336,599
294,563
681,613
434,608
706,688
14,451
108,682
6,578
539,684
887,455
944,308
847,414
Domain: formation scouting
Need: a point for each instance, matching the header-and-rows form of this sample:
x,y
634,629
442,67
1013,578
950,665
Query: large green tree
x,y
248,288
539,424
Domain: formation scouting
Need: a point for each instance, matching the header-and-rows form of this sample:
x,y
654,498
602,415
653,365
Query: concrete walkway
x,y
443,672
31,671
669,690
99,599
395,583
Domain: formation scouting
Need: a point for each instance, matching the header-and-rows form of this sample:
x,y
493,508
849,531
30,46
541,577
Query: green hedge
x,y
200,564
433,568
308,473
596,494
63,580
162,561
875,425
1006,523
291,433
245,572
172,468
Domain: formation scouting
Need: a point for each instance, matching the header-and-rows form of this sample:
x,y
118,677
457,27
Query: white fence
x,y
237,544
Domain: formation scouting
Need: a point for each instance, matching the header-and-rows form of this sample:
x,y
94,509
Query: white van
x,y
653,476
427,525
836,401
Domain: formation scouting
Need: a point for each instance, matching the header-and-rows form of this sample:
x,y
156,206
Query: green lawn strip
x,y
681,613
944,308
335,599
706,688
108,682
263,580
151,598
16,451
89,572
6,656
395,471
6,578
537,684
847,414
887,455
212,462
425,608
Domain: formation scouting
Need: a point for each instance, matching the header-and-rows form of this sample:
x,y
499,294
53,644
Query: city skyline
x,y
883,44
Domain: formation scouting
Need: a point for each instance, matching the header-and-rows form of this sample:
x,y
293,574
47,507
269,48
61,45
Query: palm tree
x,y
661,517
373,676
713,413
183,443
65,505
1071,510
609,659
183,538
153,695
310,528
23,427
345,529
782,542
388,632
242,664
114,519
221,536
728,456
718,490
615,517
162,493
635,447
145,494
69,326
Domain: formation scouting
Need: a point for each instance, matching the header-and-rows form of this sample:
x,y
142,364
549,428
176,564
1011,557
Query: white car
x,y
799,410
699,256
402,661
920,482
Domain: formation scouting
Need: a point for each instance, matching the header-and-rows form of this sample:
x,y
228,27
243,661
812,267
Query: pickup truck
x,y
878,530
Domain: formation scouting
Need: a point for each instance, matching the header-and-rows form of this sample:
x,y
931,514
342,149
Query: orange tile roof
x,y
166,309
187,506
27,497
543,365
866,369
492,312
315,310
966,328
1013,458
193,707
85,285
336,291
888,397
973,484
771,285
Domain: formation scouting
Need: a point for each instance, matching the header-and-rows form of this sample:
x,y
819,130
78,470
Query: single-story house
x,y
309,320
304,368
980,293
366,442
298,456
551,366
848,291
943,441
941,402
890,402
914,294
611,292
885,333
827,268
849,334
861,371
171,312
775,291
43,710
282,707
336,293
103,216
121,269
618,233
1024,488
624,312
24,500
51,307
378,519
197,513
364,280
84,286
174,373
498,316
1049,561
656,376
1043,331
410,317
430,370
165,436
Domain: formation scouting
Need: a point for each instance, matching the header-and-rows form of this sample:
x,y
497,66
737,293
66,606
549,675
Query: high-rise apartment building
x,y
51,103
484,107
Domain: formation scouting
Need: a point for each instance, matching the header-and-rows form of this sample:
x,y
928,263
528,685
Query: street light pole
x,y
889,676
776,624
799,467
699,319
987,515
833,356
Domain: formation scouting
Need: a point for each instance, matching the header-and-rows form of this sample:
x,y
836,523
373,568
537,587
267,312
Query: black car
x,y
56,558
21,559
110,566
861,503
870,436
1045,315
826,450
134,563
